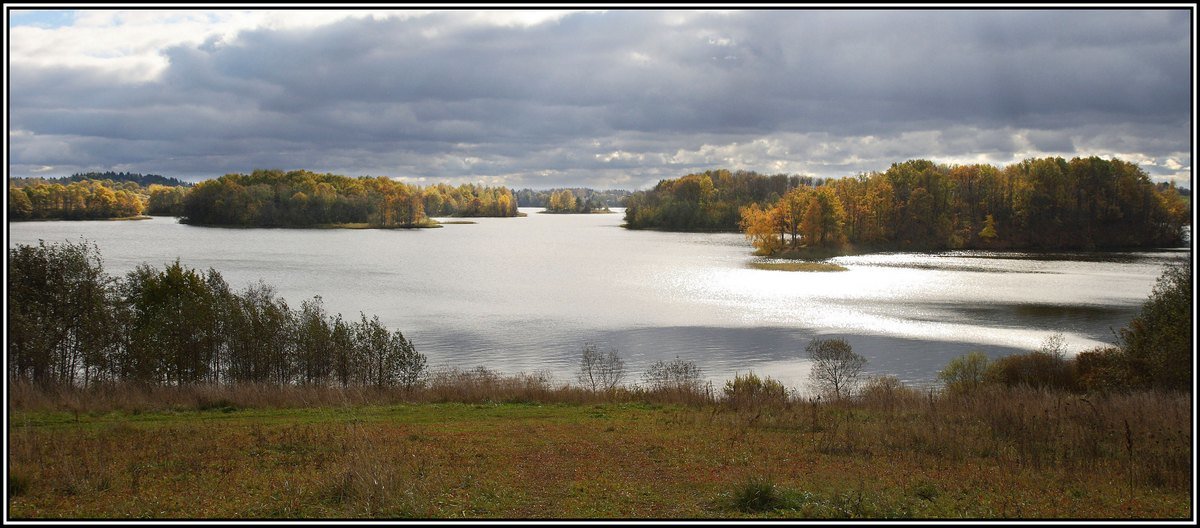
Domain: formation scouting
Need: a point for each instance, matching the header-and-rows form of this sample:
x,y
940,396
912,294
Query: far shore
x,y
602,211
115,219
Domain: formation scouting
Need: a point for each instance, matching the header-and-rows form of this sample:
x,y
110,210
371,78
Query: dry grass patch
x,y
894,453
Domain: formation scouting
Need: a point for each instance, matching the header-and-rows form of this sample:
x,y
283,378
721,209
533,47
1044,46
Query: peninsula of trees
x,y
273,198
92,196
1046,203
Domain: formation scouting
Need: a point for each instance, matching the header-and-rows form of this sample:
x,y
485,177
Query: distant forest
x,y
565,202
591,198
273,198
94,195
1047,203
143,180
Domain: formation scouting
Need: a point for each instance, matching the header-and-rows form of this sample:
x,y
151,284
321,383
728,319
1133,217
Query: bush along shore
x,y
295,413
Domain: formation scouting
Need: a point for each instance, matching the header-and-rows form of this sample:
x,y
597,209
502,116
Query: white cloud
x,y
129,45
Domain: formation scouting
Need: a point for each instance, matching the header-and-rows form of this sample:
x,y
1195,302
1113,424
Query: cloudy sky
x,y
616,99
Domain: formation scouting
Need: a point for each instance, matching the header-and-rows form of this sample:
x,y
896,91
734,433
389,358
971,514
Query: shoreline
x,y
114,219
576,212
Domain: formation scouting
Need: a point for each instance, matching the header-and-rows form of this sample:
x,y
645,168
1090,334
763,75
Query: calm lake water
x,y
525,294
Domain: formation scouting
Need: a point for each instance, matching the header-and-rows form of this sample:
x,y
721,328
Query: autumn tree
x,y
989,229
763,228
19,205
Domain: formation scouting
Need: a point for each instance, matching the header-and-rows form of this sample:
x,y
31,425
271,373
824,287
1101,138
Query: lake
x,y
525,294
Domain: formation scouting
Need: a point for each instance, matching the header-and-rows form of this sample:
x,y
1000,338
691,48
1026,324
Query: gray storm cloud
x,y
621,99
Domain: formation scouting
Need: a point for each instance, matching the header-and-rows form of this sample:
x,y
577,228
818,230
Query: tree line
x,y
142,180
81,200
468,200
566,202
93,196
1050,203
72,324
707,201
273,198
595,199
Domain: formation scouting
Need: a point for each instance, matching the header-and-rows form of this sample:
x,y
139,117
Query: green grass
x,y
612,460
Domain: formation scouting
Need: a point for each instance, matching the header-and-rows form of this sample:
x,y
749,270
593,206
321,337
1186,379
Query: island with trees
x,y
273,198
918,205
594,198
565,202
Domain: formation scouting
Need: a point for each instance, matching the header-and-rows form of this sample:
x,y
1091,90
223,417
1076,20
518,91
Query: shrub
x,y
751,391
1160,337
1037,370
887,392
965,374
677,374
1108,370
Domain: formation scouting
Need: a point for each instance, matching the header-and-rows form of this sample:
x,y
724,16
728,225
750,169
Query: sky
x,y
602,99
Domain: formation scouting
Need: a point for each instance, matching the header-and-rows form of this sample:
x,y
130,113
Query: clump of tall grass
x,y
18,483
887,393
757,495
481,384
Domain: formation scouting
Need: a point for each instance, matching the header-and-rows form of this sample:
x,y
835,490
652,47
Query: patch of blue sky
x,y
42,18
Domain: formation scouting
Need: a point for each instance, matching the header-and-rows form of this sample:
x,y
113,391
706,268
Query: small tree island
x,y
565,202
273,198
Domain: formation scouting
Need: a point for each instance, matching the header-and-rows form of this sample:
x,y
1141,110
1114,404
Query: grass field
x,y
1020,454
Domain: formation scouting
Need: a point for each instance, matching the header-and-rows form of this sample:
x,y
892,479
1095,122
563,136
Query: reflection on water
x,y
525,294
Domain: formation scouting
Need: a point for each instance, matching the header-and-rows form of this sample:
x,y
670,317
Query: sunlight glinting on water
x,y
832,302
